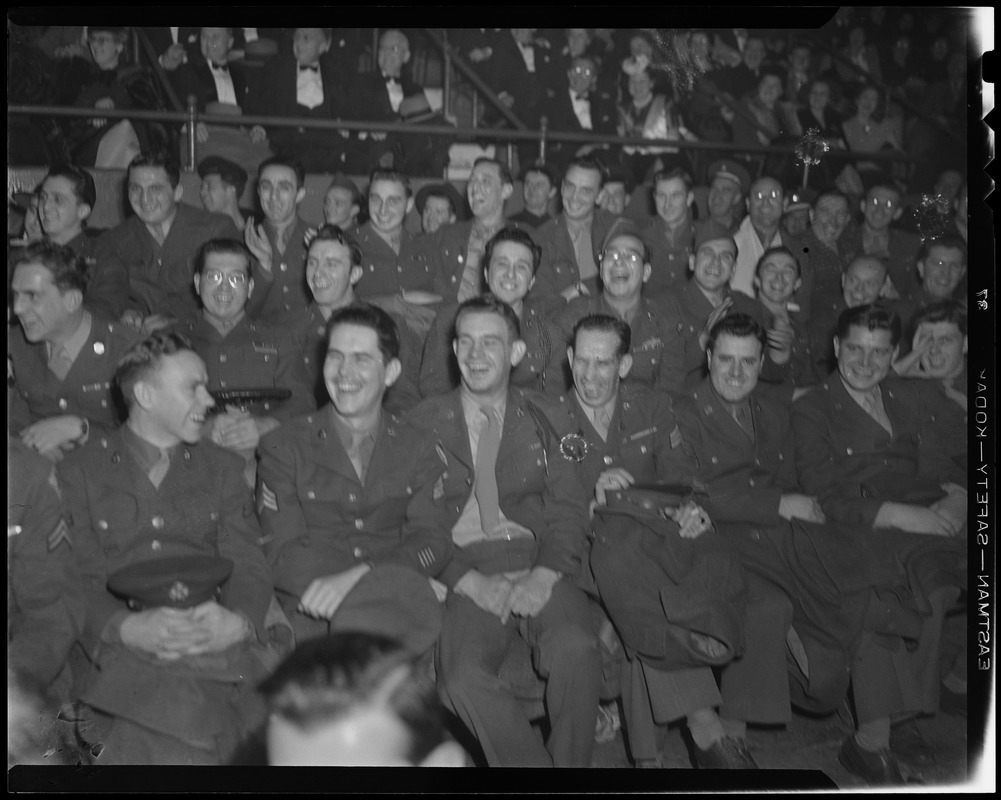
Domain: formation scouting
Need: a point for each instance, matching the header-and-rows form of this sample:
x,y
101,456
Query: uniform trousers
x,y
897,682
752,688
565,652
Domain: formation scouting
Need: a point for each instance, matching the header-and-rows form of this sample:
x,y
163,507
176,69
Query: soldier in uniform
x,y
44,608
671,234
866,445
278,243
335,486
66,199
657,349
147,261
63,357
455,251
571,241
512,506
627,435
511,259
168,682
707,297
242,353
333,268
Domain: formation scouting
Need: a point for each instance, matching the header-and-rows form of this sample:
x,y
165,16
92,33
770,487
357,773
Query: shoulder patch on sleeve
x,y
60,534
267,498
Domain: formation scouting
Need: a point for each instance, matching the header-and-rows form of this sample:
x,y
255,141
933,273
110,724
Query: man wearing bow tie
x,y
389,95
303,86
580,108
220,87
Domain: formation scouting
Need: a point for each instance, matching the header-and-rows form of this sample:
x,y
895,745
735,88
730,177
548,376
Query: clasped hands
x,y
172,633
523,596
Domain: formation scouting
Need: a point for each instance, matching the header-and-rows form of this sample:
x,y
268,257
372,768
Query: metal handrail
x,y
446,130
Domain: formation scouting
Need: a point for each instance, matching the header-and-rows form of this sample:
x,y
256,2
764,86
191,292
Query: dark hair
x,y
671,174
503,169
510,233
366,315
144,358
589,163
871,317
290,163
228,173
776,250
328,33
158,159
83,182
229,247
543,168
837,193
491,304
68,270
948,240
442,194
945,311
739,326
391,175
888,184
334,233
327,678
605,323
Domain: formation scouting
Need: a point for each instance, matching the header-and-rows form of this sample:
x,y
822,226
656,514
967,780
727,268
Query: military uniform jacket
x,y
440,372
820,270
668,255
117,517
106,293
281,295
44,601
87,389
254,355
695,308
385,272
643,438
745,480
536,486
320,519
160,277
656,347
445,255
801,368
558,268
853,465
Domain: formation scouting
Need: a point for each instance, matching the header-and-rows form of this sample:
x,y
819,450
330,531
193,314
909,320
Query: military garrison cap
x,y
175,581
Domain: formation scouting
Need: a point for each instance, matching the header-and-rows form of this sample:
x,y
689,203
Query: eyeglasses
x,y
888,203
583,71
772,196
214,277
708,254
618,257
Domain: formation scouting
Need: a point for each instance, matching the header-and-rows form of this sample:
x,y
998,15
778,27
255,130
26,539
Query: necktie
x,y
580,97
875,410
486,477
223,67
60,363
743,416
309,67
390,80
602,420
159,470
360,454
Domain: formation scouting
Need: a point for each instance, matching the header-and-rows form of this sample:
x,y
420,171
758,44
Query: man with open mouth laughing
x,y
164,533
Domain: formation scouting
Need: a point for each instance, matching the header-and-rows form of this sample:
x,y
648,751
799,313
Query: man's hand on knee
x,y
324,595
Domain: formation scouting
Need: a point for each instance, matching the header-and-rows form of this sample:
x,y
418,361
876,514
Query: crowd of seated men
x,y
520,453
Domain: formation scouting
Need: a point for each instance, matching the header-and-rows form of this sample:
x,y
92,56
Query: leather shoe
x,y
876,768
725,753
